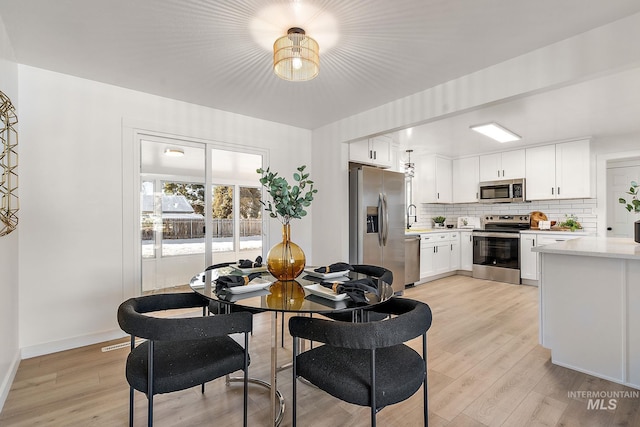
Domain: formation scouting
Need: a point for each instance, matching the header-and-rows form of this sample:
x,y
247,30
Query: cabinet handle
x,y
476,194
503,173
438,195
371,154
558,191
498,173
375,155
452,246
551,190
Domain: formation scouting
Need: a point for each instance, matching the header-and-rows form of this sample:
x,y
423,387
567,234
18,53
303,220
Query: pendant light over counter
x,y
296,56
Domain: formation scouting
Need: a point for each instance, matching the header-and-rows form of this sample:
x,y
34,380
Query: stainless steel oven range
x,y
496,248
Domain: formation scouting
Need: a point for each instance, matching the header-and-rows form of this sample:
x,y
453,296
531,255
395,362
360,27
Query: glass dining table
x,y
303,296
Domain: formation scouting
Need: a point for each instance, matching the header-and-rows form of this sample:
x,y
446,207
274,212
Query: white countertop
x,y
413,232
577,233
604,247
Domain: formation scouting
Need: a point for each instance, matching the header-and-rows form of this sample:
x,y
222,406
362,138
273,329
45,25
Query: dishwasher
x,y
411,259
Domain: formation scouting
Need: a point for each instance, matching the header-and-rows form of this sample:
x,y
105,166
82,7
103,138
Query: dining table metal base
x,y
279,414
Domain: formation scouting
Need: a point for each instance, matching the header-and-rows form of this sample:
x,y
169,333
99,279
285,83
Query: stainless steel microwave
x,y
503,191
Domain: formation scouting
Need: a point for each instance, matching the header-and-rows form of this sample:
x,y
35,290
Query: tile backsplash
x,y
555,210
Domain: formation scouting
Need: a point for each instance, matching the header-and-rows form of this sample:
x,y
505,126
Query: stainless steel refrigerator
x,y
377,220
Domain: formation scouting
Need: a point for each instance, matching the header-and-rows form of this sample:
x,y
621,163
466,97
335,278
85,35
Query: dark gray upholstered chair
x,y
366,364
373,314
181,352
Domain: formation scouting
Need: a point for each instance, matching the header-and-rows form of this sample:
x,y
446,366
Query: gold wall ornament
x,y
8,167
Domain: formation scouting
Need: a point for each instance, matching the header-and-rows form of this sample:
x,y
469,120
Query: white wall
x,y
9,350
598,52
76,225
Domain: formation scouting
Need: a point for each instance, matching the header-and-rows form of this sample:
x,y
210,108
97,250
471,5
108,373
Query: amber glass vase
x,y
285,260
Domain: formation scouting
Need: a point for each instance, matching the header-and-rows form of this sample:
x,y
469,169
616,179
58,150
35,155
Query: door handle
x,y
386,219
380,219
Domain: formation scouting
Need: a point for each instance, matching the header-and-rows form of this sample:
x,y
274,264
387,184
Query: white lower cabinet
x,y
529,261
427,256
439,253
466,251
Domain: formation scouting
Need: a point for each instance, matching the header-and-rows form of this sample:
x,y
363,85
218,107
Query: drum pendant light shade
x,y
296,56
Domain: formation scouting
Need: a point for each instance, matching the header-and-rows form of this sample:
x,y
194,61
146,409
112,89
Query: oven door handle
x,y
497,234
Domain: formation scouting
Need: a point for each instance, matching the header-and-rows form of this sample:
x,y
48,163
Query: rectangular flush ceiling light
x,y
497,132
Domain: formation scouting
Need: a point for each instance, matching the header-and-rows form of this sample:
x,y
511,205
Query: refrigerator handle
x,y
386,220
381,222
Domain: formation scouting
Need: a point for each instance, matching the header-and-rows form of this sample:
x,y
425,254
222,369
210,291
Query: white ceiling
x,y
217,54
603,107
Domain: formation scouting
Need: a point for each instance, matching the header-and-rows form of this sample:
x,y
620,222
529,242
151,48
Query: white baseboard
x,y
5,385
67,344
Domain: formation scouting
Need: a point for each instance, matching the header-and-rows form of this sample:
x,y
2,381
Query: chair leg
x,y
424,384
373,388
296,342
130,406
150,385
246,377
131,401
150,411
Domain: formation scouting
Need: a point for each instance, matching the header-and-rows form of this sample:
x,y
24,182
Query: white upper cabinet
x,y
560,171
432,181
372,151
466,176
541,178
506,165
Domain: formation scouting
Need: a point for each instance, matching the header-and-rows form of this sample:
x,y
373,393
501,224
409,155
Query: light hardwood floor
x,y
486,368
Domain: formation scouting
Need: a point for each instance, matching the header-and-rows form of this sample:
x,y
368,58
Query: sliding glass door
x,y
193,215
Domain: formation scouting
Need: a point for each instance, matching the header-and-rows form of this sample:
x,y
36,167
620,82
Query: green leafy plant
x,y
288,201
439,219
634,204
571,221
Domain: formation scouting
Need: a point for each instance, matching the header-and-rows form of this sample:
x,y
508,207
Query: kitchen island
x,y
590,306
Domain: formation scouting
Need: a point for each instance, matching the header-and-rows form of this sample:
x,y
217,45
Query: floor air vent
x,y
118,346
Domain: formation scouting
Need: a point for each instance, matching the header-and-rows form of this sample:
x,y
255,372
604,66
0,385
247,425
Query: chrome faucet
x,y
415,215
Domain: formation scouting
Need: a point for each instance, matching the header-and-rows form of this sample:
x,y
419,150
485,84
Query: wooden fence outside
x,y
194,228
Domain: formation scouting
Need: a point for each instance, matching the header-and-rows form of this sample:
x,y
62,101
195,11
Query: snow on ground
x,y
196,246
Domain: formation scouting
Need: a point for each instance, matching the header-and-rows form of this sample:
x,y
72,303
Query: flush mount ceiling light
x,y
296,56
497,132
174,152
